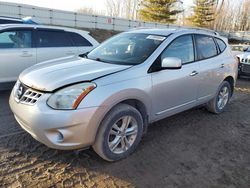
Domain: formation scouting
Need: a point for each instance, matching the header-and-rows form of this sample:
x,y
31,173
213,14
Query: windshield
x,y
127,48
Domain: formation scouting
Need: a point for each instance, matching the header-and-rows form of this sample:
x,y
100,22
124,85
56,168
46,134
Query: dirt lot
x,y
191,149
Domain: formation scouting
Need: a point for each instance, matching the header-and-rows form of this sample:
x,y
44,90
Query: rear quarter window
x,y
221,44
79,40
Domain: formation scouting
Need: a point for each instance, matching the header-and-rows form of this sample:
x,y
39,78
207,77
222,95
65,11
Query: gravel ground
x,y
191,149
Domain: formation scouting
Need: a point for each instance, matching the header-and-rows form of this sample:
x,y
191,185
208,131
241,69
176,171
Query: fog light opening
x,y
60,137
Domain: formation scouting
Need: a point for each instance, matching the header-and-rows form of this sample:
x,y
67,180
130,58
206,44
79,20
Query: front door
x,y
16,53
176,90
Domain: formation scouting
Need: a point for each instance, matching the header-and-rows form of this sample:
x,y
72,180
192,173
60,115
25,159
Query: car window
x,y
79,40
206,47
182,48
127,48
221,44
3,21
53,39
16,39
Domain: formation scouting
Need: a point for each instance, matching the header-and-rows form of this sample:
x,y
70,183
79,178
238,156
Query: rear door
x,y
52,44
176,90
211,67
17,53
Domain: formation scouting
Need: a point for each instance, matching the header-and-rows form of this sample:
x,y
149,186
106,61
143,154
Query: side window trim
x,y
31,29
217,46
195,49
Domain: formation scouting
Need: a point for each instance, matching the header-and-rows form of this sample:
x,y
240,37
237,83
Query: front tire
x,y
119,134
218,104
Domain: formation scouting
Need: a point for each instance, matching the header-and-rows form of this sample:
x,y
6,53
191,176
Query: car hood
x,y
244,55
51,75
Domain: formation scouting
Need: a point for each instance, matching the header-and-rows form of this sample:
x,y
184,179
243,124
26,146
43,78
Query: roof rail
x,y
178,27
199,28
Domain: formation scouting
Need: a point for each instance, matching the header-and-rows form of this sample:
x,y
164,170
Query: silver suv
x,y
107,98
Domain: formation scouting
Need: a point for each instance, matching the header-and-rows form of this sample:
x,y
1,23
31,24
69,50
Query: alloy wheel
x,y
122,134
223,97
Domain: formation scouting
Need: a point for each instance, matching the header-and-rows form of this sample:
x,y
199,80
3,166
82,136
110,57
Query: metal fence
x,y
74,19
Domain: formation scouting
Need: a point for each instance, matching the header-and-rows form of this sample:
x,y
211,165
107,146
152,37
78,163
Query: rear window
x,y
206,47
79,40
221,44
47,38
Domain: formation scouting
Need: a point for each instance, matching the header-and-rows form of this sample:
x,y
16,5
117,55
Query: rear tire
x,y
119,134
218,104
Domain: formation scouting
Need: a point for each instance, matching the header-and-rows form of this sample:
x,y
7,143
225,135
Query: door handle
x,y
194,73
26,54
222,65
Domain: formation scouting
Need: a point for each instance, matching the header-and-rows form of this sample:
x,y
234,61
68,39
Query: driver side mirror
x,y
171,63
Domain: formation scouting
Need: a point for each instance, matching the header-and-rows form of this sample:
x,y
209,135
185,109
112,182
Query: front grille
x,y
246,68
245,60
26,95
30,97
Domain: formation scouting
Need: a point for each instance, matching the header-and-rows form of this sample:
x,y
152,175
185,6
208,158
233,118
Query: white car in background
x,y
22,46
244,62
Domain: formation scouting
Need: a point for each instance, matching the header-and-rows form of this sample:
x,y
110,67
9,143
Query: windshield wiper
x,y
85,55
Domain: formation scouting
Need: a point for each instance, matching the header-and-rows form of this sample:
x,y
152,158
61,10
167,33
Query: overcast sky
x,y
72,5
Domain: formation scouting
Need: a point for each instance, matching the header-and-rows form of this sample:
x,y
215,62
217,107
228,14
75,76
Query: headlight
x,y
70,97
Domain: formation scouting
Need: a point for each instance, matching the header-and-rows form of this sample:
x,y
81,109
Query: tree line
x,y
221,15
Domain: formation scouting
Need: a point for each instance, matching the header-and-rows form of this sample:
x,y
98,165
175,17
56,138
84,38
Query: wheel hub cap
x,y
122,134
223,98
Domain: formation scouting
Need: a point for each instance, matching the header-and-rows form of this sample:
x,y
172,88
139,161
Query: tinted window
x,y
9,21
79,40
16,39
182,48
53,39
206,47
221,44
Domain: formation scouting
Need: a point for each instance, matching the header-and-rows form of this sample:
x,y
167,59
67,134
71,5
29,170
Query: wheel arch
x,y
137,98
140,106
231,81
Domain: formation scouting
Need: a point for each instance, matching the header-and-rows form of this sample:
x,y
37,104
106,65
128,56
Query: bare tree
x,y
85,10
114,7
131,7
245,16
233,16
122,8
